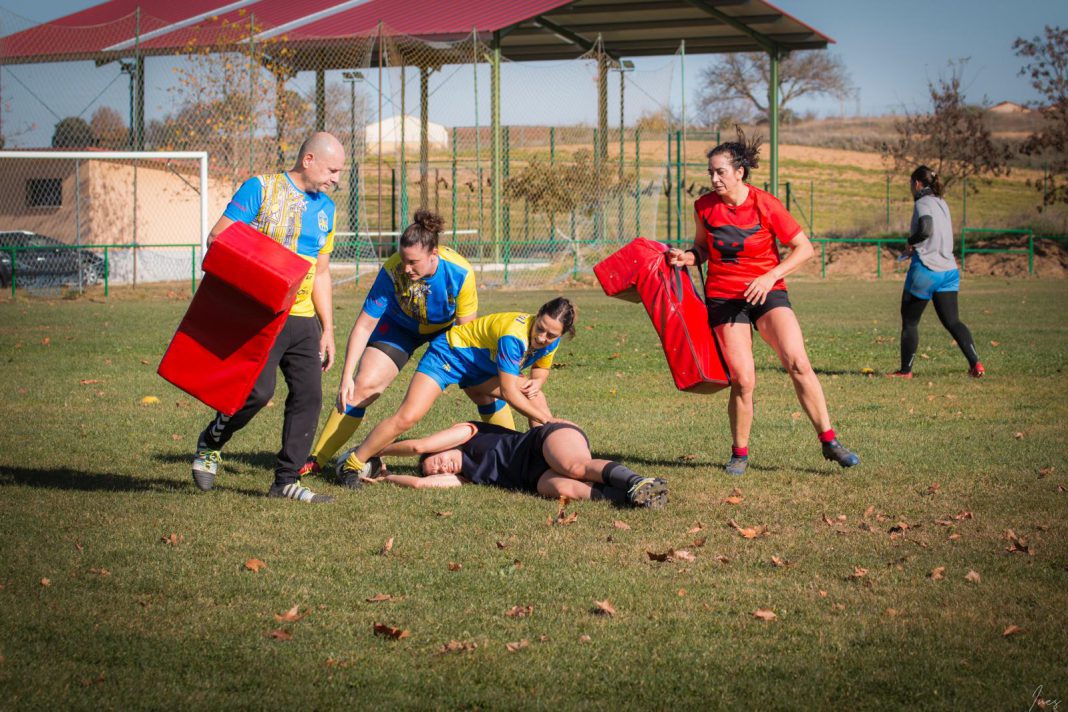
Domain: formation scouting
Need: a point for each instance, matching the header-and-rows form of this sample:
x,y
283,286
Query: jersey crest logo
x,y
729,240
324,221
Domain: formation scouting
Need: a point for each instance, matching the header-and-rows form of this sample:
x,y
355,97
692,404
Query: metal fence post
x,y
637,182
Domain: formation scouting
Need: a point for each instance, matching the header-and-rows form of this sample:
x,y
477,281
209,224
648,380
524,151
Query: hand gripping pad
x,y
222,343
639,272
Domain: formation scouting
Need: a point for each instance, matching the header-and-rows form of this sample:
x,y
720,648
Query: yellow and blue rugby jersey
x,y
303,222
500,342
430,304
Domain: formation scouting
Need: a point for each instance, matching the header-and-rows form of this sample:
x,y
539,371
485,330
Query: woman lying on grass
x,y
552,460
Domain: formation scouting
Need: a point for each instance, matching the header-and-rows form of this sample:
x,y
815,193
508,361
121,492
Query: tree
x,y
952,139
735,89
109,129
1048,70
73,132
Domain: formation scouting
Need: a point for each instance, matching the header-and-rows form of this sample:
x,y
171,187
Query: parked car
x,y
47,260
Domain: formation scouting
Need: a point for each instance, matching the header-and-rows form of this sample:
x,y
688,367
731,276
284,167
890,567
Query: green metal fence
x,y
1029,250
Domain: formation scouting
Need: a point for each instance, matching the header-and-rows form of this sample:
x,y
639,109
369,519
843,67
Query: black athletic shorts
x,y
739,311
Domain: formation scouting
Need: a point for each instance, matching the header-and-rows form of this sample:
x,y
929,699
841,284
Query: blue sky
x,y
891,50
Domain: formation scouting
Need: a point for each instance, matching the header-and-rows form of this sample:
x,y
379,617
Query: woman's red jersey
x,y
741,240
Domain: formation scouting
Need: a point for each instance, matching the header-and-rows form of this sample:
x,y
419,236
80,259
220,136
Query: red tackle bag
x,y
250,283
639,272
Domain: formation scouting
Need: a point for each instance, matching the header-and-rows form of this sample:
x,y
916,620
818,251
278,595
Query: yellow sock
x,y
337,431
354,462
501,417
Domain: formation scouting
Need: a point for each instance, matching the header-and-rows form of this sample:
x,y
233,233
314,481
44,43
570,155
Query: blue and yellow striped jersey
x,y
500,342
430,304
303,222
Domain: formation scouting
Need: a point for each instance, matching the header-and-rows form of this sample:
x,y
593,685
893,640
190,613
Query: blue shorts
x,y
922,283
396,341
448,367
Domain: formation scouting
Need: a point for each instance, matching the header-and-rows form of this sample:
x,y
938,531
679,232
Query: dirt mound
x,y
1051,260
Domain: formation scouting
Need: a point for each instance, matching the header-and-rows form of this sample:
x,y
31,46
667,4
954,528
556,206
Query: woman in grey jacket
x,y
933,274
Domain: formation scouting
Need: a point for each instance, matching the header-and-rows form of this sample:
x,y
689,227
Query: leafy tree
x,y
1047,68
109,129
952,139
735,88
563,187
73,132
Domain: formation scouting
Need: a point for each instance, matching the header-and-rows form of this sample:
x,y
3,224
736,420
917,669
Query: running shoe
x,y
837,452
648,492
900,374
298,492
311,467
977,371
205,466
737,465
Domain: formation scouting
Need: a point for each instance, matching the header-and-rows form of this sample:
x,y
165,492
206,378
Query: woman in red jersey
x,y
737,226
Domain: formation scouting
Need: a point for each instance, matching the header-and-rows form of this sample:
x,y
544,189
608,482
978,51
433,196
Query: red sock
x,y
739,451
827,435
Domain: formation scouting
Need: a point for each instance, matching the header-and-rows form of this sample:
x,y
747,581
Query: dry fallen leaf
x,y
686,458
46,341
826,520
933,489
454,566
995,344
682,592
387,547
90,681
584,638
1046,471
173,539
621,525
682,555
1017,545
100,572
764,614
778,562
255,565
280,634
390,632
1018,435
972,576
732,499
380,597
518,645
443,514
697,527
858,572
937,574
699,542
291,616
603,608
823,594
869,511
721,559
953,537
1011,630
748,532
89,381
892,612
456,646
46,582
519,611
569,519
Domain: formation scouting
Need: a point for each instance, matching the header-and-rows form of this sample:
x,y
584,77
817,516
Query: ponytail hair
x,y
744,153
927,178
423,231
563,311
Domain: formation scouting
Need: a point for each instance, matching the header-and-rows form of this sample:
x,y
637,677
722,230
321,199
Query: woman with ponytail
x,y
737,227
421,290
933,274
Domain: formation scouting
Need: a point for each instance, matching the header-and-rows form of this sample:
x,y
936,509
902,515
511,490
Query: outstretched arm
x,y
446,439
428,482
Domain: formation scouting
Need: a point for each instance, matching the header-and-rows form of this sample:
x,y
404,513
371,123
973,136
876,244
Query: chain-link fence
x,y
577,157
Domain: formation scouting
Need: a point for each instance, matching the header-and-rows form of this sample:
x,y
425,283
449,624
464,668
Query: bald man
x,y
291,208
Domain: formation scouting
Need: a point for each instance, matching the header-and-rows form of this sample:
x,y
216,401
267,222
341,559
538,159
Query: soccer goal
x,y
81,219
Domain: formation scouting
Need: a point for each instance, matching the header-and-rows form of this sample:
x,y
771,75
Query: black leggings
x,y
945,304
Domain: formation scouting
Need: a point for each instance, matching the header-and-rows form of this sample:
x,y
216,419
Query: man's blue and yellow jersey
x,y
303,222
499,342
428,305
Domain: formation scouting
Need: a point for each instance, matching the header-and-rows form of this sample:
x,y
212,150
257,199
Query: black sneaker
x,y
837,452
352,477
297,491
737,465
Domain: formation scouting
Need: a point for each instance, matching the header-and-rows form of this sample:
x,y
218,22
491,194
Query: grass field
x,y
123,587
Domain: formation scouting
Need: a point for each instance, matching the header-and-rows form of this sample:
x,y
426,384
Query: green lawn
x,y
92,481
